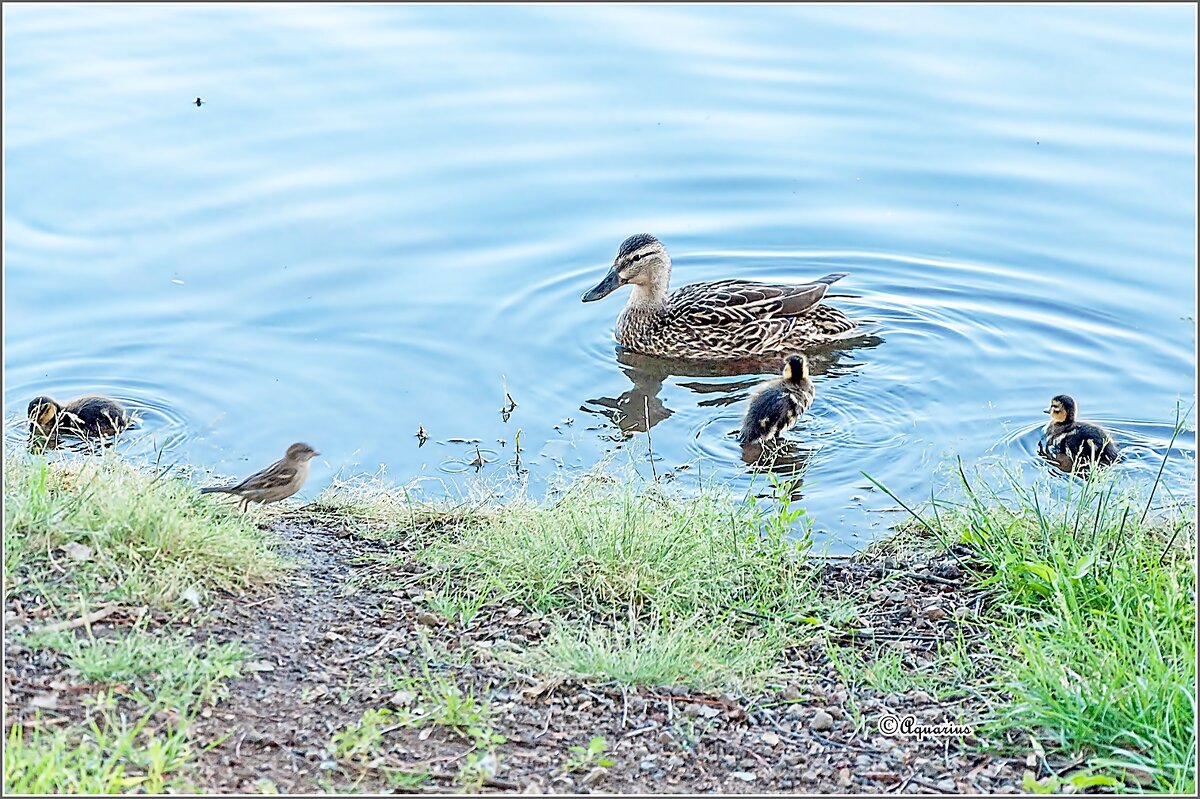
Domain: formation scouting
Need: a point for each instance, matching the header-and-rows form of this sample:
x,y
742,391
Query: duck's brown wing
x,y
725,302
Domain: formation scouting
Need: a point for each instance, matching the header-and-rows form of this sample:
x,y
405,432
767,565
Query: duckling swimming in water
x,y
777,404
1075,445
725,319
89,417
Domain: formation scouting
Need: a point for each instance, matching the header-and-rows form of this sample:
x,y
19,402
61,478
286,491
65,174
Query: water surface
x,y
383,217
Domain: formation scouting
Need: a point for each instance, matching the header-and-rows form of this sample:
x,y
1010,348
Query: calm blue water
x,y
383,217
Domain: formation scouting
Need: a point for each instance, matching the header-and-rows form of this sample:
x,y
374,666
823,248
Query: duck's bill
x,y
610,283
1045,410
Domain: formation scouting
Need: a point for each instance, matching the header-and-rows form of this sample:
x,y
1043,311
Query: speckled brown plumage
x,y
278,481
777,404
714,320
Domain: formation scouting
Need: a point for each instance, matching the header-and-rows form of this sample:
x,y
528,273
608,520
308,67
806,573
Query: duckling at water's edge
x,y
777,404
86,417
724,319
1074,445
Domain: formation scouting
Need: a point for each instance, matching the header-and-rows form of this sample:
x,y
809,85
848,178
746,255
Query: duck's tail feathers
x,y
833,277
215,490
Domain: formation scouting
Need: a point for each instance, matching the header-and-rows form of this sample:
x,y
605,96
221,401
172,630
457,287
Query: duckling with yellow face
x,y
1074,445
87,417
777,404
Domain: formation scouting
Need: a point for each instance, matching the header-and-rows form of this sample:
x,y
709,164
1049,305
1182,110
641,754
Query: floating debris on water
x,y
479,461
510,404
422,436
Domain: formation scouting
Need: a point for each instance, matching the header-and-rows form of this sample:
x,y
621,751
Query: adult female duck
x,y
725,319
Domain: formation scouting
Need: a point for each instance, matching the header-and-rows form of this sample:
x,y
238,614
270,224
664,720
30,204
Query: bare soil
x,y
325,643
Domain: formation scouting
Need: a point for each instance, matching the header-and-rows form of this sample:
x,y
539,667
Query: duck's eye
x,y
637,258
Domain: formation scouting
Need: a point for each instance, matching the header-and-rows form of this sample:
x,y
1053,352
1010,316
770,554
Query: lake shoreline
x,y
365,653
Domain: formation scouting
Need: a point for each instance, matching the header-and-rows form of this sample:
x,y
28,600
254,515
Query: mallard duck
x,y
721,319
278,481
1075,445
777,404
86,417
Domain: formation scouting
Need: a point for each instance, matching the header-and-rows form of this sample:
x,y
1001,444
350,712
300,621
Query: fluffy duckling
x,y
86,417
777,404
1073,444
278,481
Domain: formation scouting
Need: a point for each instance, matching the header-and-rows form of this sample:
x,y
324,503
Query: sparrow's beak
x,y
1045,410
610,283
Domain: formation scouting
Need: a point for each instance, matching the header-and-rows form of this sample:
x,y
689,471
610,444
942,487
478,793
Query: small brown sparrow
x,y
278,481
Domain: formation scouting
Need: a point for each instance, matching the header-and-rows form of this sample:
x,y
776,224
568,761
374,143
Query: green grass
x,y
158,670
890,668
702,654
80,531
1095,609
649,587
435,700
108,757
149,540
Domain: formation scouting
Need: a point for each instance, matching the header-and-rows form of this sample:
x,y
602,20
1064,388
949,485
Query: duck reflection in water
x,y
640,407
781,457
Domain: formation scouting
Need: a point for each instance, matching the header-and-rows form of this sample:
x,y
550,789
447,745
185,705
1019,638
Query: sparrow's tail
x,y
215,490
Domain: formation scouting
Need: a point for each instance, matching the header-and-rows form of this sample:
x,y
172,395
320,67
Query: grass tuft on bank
x,y
1095,608
84,531
645,586
116,532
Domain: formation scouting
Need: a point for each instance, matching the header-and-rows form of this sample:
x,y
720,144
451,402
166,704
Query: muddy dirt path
x,y
328,647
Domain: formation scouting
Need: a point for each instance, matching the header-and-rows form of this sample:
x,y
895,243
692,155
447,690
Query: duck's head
x,y
641,260
1062,409
795,368
301,452
42,413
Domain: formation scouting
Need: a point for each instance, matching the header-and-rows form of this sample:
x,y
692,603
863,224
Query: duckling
x,y
86,417
777,404
278,481
1075,445
725,319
